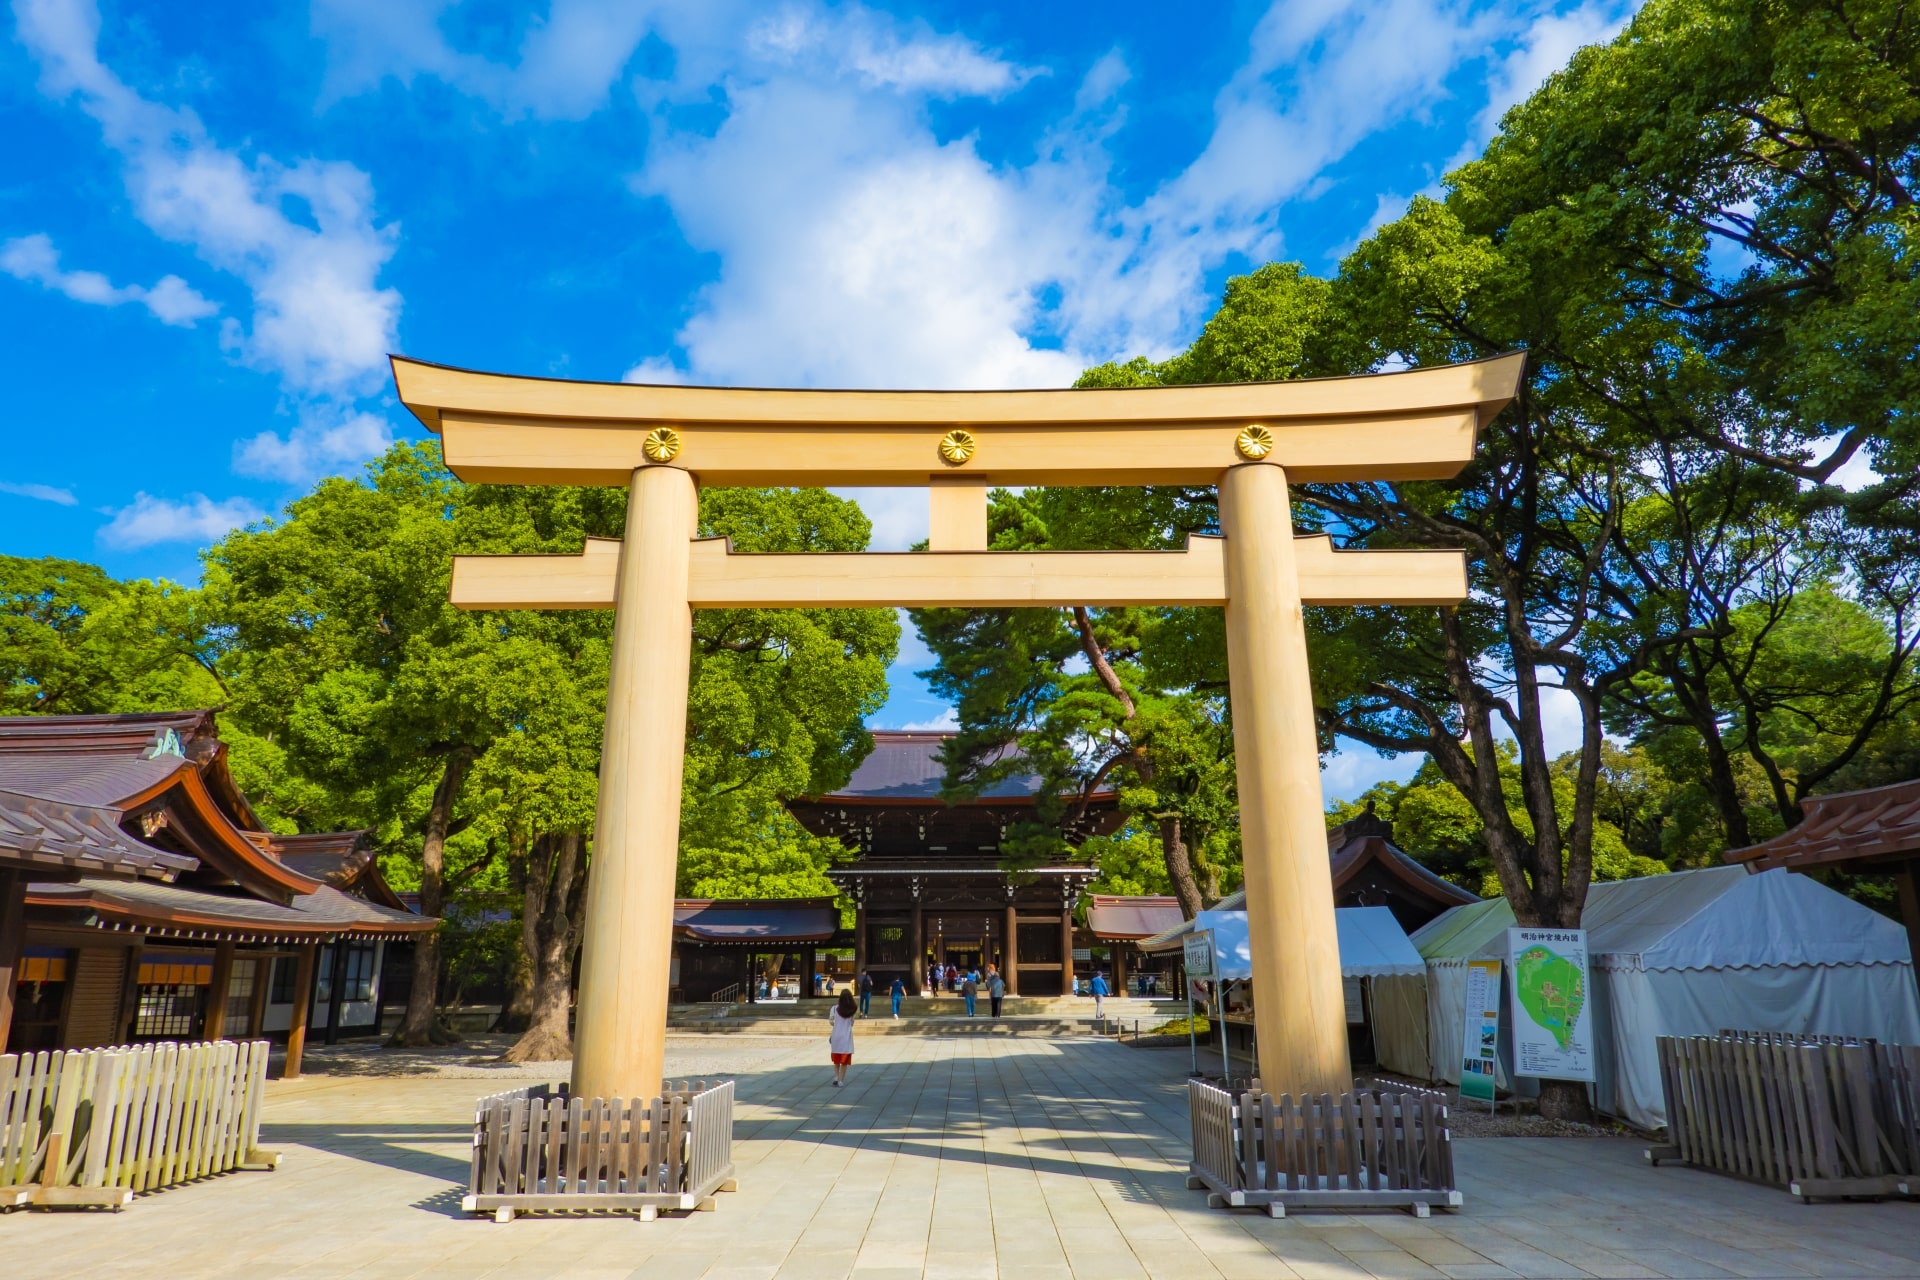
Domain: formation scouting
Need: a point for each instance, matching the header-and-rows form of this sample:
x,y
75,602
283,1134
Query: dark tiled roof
x,y
766,920
87,778
326,911
128,735
48,832
1848,826
905,765
1110,916
336,857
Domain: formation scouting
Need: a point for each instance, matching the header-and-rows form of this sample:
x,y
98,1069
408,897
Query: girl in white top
x,y
840,1035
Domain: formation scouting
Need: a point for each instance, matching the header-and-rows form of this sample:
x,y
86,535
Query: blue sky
x,y
219,218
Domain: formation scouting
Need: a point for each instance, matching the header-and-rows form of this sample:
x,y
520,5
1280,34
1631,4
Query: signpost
x,y
1552,1026
1199,963
1480,1047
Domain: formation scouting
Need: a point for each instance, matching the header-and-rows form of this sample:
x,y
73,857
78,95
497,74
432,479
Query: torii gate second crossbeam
x,y
665,442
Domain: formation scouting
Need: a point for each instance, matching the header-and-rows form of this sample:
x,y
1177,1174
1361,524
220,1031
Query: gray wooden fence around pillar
x,y
540,1149
1366,1148
1818,1116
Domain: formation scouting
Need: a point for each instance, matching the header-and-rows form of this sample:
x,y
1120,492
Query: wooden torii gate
x,y
663,442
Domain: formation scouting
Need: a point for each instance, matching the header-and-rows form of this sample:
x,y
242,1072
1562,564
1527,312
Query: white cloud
x,y
946,722
563,69
39,492
883,53
1346,773
323,443
148,521
302,236
171,299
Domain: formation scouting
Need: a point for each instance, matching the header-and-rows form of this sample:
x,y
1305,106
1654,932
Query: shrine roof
x,y
1129,919
1847,826
47,833
755,920
326,912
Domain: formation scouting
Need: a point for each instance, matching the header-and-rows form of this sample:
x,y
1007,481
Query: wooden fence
x,y
1369,1147
539,1148
96,1126
1820,1116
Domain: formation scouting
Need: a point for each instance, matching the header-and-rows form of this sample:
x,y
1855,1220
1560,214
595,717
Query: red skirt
x,y
842,1059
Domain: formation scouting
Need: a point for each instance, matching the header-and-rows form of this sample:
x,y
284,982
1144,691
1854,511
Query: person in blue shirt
x,y
1099,988
970,989
899,990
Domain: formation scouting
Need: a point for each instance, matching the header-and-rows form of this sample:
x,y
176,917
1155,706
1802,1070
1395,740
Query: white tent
x,y
1372,943
1687,954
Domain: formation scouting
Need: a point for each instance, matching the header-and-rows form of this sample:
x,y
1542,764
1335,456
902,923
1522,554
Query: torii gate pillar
x,y
626,953
1300,1021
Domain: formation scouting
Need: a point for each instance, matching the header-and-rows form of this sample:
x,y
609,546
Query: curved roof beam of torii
x,y
1418,424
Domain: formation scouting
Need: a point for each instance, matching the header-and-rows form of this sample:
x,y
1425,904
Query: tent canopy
x,y
1372,943
1715,918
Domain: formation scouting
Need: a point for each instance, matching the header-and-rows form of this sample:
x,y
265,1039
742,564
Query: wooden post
x,y
809,973
918,973
336,990
621,1020
130,993
1066,947
257,1010
302,1011
859,940
214,1027
1907,882
1300,1017
13,941
1119,950
1010,970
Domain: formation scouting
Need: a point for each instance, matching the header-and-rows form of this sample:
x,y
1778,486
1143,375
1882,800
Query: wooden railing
x,y
540,1148
1366,1148
97,1126
1819,1116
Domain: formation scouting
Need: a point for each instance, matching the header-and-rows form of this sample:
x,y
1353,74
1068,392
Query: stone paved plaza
x,y
944,1157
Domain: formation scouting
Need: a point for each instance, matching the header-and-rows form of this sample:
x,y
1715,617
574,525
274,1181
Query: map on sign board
x,y
1552,1024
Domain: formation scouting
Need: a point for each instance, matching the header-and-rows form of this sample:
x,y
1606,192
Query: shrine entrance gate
x,y
1249,439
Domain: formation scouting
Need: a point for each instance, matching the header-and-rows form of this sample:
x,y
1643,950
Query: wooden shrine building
x,y
927,883
176,915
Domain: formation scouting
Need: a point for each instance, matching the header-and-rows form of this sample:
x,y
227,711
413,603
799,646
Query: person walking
x,y
970,989
840,1036
899,990
866,993
996,989
1099,988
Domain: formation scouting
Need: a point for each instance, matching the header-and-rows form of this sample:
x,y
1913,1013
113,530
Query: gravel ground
x,y
1471,1119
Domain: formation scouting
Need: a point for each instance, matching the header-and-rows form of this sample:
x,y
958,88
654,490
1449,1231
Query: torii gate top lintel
x,y
502,429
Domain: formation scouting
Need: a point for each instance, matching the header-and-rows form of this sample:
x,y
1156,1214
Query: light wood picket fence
x,y
542,1149
1817,1115
1366,1148
93,1127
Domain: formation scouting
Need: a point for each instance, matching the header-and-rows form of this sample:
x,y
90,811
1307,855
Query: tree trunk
x,y
1565,1100
423,1024
517,1013
1179,867
556,901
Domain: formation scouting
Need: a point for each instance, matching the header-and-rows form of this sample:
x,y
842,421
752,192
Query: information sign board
x,y
1552,1008
1199,953
1480,1046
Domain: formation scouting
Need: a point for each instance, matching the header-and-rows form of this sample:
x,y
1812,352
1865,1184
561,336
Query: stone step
x,y
904,1026
1118,1007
